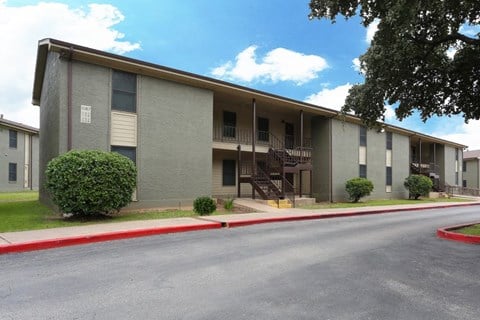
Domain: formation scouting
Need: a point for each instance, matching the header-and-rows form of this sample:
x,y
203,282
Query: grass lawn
x,y
22,211
18,196
373,203
471,230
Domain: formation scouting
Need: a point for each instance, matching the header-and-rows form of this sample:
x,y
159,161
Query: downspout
x,y
330,164
239,168
69,100
301,153
30,169
254,130
420,155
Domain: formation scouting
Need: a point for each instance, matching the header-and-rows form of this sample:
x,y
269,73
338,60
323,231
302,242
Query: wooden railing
x,y
238,135
458,190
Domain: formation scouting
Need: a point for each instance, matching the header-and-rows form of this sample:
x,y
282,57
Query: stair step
x,y
282,204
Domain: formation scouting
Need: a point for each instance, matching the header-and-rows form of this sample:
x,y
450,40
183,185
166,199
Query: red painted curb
x,y
449,234
71,241
235,224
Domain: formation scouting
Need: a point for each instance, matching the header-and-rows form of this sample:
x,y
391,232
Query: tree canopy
x,y
425,56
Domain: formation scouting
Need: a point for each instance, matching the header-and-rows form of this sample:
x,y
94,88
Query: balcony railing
x,y
458,190
238,135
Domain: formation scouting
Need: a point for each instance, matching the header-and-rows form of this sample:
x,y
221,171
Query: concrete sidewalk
x,y
58,237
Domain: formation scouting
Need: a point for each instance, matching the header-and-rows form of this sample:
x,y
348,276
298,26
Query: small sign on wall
x,y
85,114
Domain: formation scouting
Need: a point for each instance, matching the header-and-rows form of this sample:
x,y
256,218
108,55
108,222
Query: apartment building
x,y
19,154
191,135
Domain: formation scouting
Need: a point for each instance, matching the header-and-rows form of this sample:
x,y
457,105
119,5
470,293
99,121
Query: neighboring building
x,y
471,169
191,135
19,154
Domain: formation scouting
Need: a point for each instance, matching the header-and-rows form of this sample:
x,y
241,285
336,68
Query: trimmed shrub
x,y
418,185
91,182
228,204
204,205
358,188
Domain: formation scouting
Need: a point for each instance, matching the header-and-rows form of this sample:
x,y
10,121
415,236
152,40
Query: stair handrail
x,y
260,173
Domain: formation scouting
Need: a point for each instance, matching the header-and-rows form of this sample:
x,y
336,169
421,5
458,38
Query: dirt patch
x,y
236,208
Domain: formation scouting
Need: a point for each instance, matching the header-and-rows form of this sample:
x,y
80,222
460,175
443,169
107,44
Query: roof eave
x,y
133,65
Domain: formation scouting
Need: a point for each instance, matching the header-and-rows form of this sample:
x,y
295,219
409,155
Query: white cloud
x,y
389,113
330,98
371,30
356,64
277,65
466,133
22,27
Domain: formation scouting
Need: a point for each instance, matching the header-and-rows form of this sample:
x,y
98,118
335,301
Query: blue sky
x,y
269,45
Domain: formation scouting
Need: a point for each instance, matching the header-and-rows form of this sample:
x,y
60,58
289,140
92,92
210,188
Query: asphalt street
x,y
389,266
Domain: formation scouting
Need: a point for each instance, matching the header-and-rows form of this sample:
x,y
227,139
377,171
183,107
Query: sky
x,y
268,45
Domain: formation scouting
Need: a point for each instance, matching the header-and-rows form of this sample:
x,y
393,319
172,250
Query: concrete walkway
x,y
58,237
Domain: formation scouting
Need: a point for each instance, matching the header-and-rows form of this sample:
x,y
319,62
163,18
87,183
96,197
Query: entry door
x,y
289,135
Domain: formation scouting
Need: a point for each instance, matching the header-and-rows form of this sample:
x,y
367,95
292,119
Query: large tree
x,y
423,57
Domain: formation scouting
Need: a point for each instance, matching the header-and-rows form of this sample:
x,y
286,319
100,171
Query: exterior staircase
x,y
430,170
269,179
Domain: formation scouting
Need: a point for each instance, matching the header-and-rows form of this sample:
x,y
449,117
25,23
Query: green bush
x,y
204,205
228,204
418,185
358,188
91,182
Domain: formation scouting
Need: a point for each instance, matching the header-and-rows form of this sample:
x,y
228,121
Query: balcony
x,y
243,136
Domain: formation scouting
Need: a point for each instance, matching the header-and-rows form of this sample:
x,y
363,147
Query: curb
x,y
101,237
450,234
118,235
242,223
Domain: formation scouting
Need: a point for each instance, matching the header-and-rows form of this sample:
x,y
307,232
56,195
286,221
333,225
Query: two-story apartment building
x,y
191,135
471,169
19,156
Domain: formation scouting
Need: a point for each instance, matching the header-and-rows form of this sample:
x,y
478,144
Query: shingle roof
x,y
471,154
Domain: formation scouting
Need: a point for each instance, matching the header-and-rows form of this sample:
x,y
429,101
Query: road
x,y
388,266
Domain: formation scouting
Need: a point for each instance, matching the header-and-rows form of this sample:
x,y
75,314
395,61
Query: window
x,y
464,166
129,152
456,153
389,141
389,176
464,183
229,124
263,129
12,172
363,171
124,91
228,175
12,141
456,178
363,136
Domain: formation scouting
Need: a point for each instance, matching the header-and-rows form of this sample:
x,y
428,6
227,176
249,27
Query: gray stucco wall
x,y
52,137
35,162
400,165
472,174
174,152
175,143
449,168
376,163
345,164
345,144
92,88
321,145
